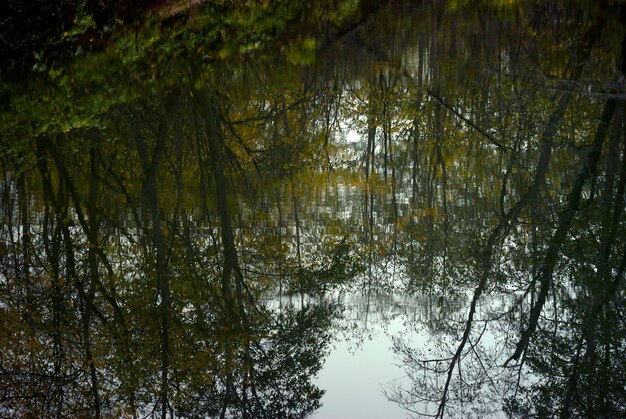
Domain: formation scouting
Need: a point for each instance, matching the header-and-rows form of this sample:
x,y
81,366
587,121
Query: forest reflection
x,y
185,251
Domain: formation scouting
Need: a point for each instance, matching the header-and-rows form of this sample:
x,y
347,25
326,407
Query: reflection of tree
x,y
153,320
287,361
581,365
436,381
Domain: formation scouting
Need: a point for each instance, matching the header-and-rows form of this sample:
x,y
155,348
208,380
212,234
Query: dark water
x,y
421,213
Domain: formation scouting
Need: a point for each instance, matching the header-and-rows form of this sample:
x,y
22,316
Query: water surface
x,y
417,212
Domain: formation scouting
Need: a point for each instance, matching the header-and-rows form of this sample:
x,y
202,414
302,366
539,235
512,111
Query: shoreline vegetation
x,y
71,45
39,35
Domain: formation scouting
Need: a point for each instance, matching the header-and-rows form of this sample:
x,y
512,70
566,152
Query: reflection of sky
x,y
354,378
353,137
362,365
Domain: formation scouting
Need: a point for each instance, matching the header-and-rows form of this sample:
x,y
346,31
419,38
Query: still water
x,y
418,211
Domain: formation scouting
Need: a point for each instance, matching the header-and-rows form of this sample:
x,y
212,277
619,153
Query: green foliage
x,y
341,271
302,52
